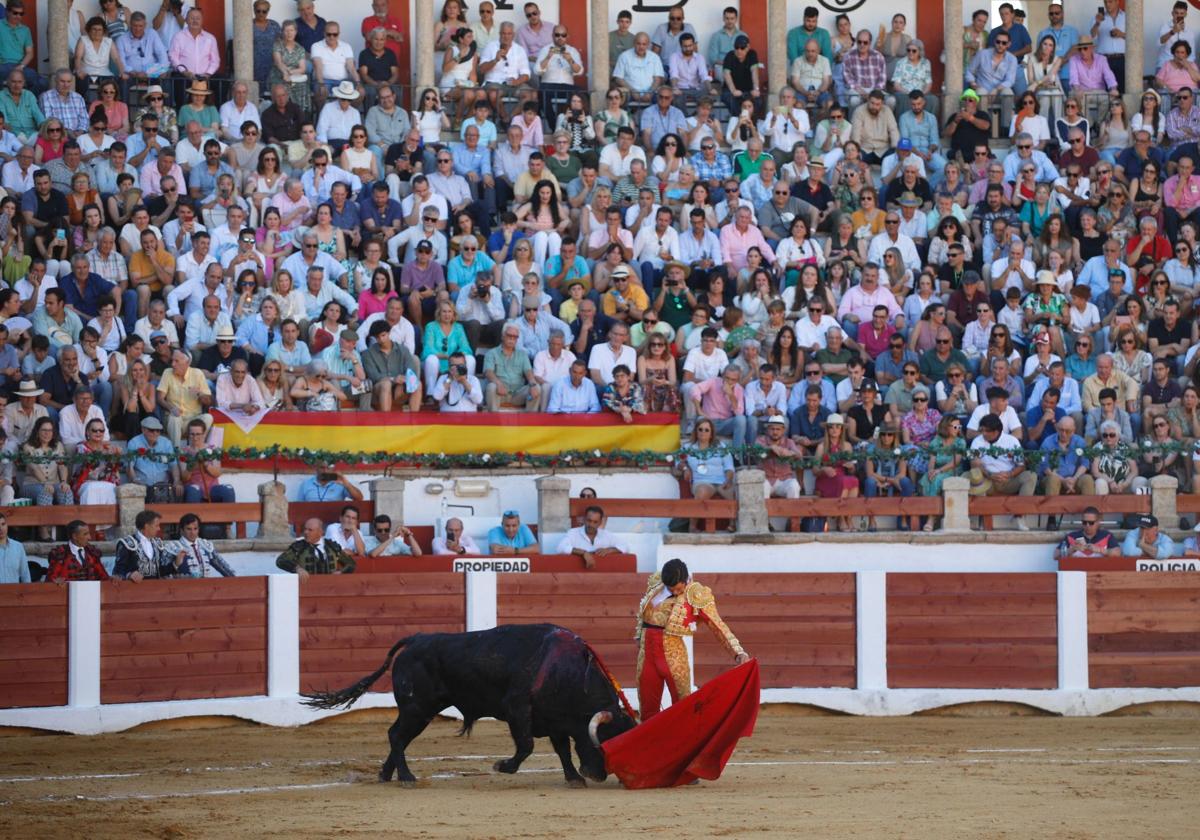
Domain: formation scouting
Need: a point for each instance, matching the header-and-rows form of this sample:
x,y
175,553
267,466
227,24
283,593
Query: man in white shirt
x,y
999,475
457,390
764,397
455,541
702,363
332,63
573,393
345,532
811,331
187,299
74,418
191,266
504,66
785,125
891,237
1013,271
616,157
553,363
589,540
557,63
16,176
615,351
654,247
238,111
401,331
338,117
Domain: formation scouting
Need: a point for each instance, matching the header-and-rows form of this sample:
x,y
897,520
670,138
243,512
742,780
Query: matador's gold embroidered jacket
x,y
677,615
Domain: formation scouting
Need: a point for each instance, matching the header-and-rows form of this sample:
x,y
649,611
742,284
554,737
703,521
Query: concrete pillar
x,y
598,53
1163,490
243,45
777,63
751,499
274,522
954,501
388,495
554,505
283,635
83,643
424,39
131,500
56,33
1135,60
954,58
871,635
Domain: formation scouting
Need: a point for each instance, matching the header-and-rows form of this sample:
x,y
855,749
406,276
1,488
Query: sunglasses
x,y
920,399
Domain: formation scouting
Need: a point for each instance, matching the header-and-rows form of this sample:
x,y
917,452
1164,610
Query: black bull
x,y
540,679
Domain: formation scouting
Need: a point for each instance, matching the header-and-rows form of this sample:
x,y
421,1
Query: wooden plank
x,y
1142,580
974,604
168,666
32,595
44,619
791,676
1147,642
1034,505
33,644
967,628
1187,503
1116,621
974,677
351,609
34,515
16,671
1145,676
1005,655
198,640
663,508
187,615
213,512
601,583
1148,600
405,584
843,655
193,687
357,636
879,506
914,583
174,592
800,584
35,694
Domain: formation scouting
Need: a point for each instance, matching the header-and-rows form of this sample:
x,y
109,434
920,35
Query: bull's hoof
x,y
408,783
506,765
576,783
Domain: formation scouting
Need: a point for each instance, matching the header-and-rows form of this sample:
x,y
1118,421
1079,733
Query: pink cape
x,y
691,739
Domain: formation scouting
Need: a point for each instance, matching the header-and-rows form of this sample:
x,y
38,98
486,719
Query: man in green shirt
x,y
801,35
20,108
509,374
620,39
16,45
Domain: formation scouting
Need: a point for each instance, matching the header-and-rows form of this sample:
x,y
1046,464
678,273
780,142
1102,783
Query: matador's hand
x,y
740,658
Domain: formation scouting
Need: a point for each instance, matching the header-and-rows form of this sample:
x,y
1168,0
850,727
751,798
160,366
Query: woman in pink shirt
x,y
375,298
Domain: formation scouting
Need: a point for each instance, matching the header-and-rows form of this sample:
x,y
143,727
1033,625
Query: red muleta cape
x,y
692,739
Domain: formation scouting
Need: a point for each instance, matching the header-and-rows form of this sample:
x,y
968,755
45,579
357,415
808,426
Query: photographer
x,y
480,308
457,389
557,65
328,485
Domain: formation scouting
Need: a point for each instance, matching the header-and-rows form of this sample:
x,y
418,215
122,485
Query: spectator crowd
x,y
826,271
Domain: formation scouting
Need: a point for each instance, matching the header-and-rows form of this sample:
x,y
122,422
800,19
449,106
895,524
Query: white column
x,y
1072,630
83,643
953,64
56,34
481,612
243,45
424,39
598,55
871,630
283,635
777,63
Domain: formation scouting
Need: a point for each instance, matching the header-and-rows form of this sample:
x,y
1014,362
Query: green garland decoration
x,y
573,458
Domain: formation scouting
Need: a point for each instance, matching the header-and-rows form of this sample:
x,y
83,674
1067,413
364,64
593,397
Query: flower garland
x,y
639,459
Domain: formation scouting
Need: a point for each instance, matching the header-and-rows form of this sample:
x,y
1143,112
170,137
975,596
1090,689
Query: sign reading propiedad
x,y
511,565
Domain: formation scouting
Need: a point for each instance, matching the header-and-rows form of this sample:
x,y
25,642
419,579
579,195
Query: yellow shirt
x,y
140,266
185,393
634,295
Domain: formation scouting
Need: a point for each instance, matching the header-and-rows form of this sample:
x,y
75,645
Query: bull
x,y
540,679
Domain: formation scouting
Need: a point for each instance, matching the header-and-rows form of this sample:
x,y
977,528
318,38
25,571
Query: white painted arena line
x,y
191,794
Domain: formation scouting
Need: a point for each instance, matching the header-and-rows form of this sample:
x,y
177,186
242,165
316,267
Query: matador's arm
x,y
705,605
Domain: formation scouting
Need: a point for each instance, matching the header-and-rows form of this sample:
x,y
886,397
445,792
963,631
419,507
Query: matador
x,y
668,613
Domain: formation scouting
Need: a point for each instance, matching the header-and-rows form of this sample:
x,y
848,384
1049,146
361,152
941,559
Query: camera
x,y
327,476
460,370
481,291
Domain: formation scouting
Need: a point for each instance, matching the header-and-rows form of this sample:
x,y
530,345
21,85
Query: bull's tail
x,y
346,698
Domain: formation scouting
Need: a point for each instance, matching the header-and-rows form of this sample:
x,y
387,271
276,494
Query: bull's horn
x,y
594,724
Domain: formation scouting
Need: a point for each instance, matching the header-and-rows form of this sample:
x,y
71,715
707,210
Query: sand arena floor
x,y
800,776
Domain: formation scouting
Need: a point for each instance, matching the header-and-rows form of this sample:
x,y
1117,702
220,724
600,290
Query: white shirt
x,y
703,366
189,295
232,118
610,156
577,538
649,242
16,181
992,463
143,328
1014,281
512,66
335,533
550,370
908,250
402,333
558,70
25,289
333,61
71,427
439,545
453,397
782,133
808,333
1009,418
335,122
603,359
187,155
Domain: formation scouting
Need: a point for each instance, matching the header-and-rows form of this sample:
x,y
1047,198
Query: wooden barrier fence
x,y
183,639
811,506
972,630
989,506
1143,629
33,658
708,511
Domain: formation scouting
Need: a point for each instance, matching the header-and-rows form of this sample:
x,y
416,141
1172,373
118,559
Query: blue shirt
x,y
659,124
151,471
349,217
828,396
137,143
86,302
1068,461
578,269
1164,545
565,398
459,274
14,565
1034,416
312,491
466,160
924,134
1095,274
390,216
142,54
799,425
199,178
709,469
523,539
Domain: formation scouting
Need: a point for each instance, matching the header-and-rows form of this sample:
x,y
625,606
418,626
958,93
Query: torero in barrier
x,y
668,612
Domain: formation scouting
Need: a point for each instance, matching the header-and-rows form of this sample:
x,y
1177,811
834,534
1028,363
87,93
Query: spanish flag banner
x,y
453,433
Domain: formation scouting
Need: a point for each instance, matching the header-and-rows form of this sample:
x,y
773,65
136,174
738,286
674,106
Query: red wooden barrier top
x,y
33,658
538,563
